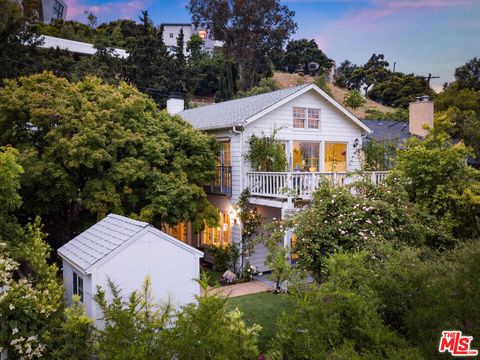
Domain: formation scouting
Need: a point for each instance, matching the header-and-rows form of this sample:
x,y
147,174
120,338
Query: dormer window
x,y
306,118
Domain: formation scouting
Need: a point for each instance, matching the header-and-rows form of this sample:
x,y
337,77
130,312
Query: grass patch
x,y
263,309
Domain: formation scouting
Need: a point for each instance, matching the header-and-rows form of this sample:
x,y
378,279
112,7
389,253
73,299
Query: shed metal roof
x,y
100,240
106,236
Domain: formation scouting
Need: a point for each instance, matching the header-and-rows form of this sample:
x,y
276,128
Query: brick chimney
x,y
420,112
174,105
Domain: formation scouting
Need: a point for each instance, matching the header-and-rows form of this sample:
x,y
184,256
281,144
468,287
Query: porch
x,y
285,185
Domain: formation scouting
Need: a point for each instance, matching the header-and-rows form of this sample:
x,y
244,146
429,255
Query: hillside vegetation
x,y
286,80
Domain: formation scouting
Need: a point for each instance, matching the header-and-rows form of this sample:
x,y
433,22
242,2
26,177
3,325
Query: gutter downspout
x,y
240,132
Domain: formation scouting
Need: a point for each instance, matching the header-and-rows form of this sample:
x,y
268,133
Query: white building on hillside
x,y
127,251
172,30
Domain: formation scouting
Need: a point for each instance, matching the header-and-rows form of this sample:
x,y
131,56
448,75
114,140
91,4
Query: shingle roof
x,y
100,240
388,130
235,112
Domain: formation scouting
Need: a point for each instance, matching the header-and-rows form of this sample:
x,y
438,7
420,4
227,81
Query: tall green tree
x,y
19,40
302,52
89,149
251,30
398,90
440,180
468,76
374,71
345,76
149,65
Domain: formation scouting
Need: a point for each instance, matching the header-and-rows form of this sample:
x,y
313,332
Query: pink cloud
x,y
113,10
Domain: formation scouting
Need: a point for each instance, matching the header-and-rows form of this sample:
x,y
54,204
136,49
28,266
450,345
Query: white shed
x,y
126,251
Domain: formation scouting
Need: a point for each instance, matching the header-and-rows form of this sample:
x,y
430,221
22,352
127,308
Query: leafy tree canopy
x,y
251,31
89,149
468,76
302,52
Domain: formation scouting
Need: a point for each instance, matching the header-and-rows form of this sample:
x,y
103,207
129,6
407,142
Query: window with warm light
x,y
177,231
218,235
293,244
306,156
335,157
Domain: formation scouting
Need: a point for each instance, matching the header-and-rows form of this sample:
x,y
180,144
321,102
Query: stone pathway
x,y
247,288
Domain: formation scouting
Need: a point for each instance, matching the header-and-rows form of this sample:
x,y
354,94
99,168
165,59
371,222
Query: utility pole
x,y
429,77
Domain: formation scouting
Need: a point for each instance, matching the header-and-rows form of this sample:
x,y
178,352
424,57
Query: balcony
x,y
222,182
284,185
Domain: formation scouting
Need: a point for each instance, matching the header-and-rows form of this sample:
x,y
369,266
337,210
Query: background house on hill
x,y
126,251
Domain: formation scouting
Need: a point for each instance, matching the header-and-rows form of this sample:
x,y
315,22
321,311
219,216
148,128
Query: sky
x,y
419,36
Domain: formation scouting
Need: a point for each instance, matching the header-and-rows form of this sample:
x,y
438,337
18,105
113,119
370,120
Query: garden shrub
x,y
438,179
353,218
335,323
416,293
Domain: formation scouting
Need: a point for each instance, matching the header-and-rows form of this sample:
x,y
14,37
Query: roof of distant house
x,y
240,111
76,46
388,130
103,238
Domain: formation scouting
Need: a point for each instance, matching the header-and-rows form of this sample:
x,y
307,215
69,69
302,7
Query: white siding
x,y
171,268
88,293
334,126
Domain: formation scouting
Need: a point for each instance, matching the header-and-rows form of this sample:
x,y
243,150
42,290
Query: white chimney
x,y
174,105
420,113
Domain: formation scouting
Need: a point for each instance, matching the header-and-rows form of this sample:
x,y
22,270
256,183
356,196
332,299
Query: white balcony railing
x,y
302,184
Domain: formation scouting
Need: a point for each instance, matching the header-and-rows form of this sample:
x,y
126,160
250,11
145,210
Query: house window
x,y
177,231
218,236
335,157
306,156
299,117
202,34
171,35
294,250
313,118
306,118
78,286
58,10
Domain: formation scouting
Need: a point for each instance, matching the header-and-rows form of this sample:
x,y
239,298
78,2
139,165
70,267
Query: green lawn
x,y
263,309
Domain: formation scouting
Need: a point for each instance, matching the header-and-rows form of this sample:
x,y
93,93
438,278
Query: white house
x,y
172,30
322,140
126,251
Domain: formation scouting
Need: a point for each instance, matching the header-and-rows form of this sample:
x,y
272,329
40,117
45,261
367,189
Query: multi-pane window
x,y
313,118
171,35
306,118
58,10
218,236
78,286
299,117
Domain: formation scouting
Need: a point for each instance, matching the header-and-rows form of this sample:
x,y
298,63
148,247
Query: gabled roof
x,y
242,111
107,236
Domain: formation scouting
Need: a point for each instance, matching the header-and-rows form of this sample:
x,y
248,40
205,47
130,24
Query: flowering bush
x,y
352,218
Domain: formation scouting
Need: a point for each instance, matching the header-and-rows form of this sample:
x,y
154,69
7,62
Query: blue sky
x,y
421,36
